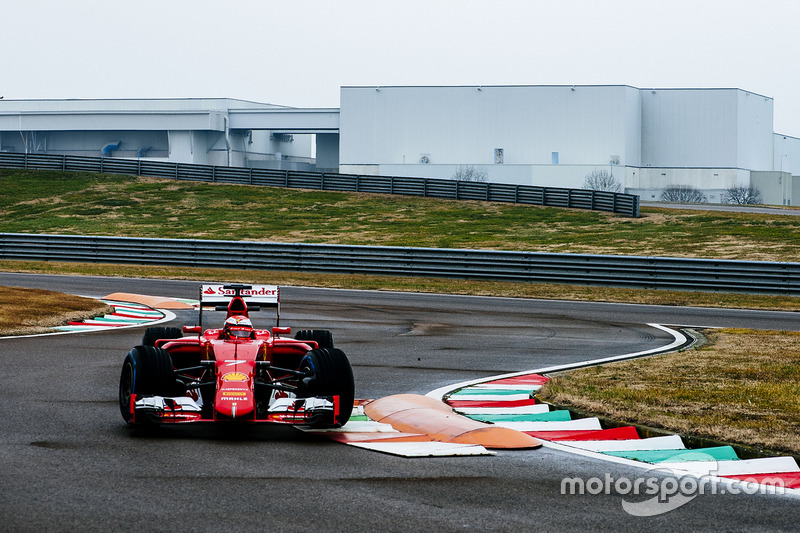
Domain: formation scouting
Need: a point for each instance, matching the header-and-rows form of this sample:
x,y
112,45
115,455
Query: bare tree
x,y
742,195
470,173
601,180
682,193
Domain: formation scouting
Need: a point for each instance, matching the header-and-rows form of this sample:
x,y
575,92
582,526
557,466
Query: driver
x,y
237,327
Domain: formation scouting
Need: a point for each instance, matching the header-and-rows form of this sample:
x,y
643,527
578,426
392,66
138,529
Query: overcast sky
x,y
299,52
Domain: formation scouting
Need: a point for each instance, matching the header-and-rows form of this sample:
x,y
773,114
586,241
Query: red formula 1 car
x,y
237,373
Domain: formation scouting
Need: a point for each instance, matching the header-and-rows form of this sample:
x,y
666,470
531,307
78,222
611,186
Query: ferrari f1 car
x,y
237,373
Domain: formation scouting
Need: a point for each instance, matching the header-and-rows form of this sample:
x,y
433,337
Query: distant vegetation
x,y
682,193
601,180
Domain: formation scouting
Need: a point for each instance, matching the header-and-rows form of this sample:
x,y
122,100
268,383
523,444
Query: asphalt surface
x,y
68,462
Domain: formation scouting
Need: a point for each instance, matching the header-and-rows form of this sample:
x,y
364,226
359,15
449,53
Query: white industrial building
x,y
710,139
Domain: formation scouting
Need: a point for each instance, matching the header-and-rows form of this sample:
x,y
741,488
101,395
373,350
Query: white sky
x,y
299,52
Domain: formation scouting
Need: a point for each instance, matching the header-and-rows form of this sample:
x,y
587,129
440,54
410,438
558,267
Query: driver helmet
x,y
238,327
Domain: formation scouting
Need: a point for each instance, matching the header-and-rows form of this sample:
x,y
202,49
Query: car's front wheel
x,y
151,335
330,374
322,337
146,371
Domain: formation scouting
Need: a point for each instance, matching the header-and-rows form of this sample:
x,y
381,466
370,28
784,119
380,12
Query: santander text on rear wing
x,y
218,297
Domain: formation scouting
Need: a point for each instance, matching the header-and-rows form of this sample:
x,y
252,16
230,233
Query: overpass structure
x,y
216,131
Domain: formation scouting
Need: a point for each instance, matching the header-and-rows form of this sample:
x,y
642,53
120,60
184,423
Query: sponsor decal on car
x,y
234,376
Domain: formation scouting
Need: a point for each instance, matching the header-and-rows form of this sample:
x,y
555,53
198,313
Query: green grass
x,y
92,204
743,387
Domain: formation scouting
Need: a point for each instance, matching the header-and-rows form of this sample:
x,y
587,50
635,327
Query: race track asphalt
x,y
67,461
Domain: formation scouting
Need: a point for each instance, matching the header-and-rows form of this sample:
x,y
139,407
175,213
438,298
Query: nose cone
x,y
234,397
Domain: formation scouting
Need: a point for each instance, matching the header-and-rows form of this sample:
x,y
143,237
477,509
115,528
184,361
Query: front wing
x,y
182,409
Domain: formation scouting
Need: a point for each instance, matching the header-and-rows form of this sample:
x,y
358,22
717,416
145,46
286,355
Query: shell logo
x,y
234,376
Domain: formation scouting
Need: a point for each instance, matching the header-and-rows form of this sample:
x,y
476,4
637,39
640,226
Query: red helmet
x,y
238,327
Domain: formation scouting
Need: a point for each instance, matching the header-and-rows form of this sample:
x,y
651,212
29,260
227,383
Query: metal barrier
x,y
624,204
754,277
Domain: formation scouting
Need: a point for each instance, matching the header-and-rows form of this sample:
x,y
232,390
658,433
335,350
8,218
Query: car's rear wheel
x,y
322,337
331,375
151,335
146,371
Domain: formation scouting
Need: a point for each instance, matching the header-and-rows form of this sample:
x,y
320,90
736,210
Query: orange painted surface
x,y
156,302
412,413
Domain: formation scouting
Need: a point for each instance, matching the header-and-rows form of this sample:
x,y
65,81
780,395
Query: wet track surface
x,y
68,462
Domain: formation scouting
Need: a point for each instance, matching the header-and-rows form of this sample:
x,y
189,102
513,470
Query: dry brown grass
x,y
25,311
742,387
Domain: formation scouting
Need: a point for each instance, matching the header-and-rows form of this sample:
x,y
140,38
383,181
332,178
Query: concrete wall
x,y
465,125
776,188
327,155
556,135
786,154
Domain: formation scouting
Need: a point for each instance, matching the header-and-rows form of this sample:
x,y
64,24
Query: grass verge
x,y
101,204
742,386
27,311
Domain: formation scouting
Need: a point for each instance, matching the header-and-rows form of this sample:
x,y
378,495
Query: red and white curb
x,y
501,401
125,315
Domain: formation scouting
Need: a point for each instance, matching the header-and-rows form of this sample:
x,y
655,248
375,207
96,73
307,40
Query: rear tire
x,y
322,337
146,371
151,335
332,376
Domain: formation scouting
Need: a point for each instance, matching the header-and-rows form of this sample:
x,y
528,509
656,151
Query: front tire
x,y
322,337
146,371
331,375
151,335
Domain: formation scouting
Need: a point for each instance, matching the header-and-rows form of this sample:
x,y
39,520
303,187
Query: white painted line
x,y
580,424
669,442
490,386
539,408
490,397
423,449
766,465
661,468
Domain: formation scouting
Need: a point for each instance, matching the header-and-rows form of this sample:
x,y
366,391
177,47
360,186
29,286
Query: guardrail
x,y
708,275
624,204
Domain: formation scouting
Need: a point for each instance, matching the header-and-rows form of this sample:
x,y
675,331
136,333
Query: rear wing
x,y
219,296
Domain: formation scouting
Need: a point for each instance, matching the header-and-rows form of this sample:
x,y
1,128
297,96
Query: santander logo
x,y
258,290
